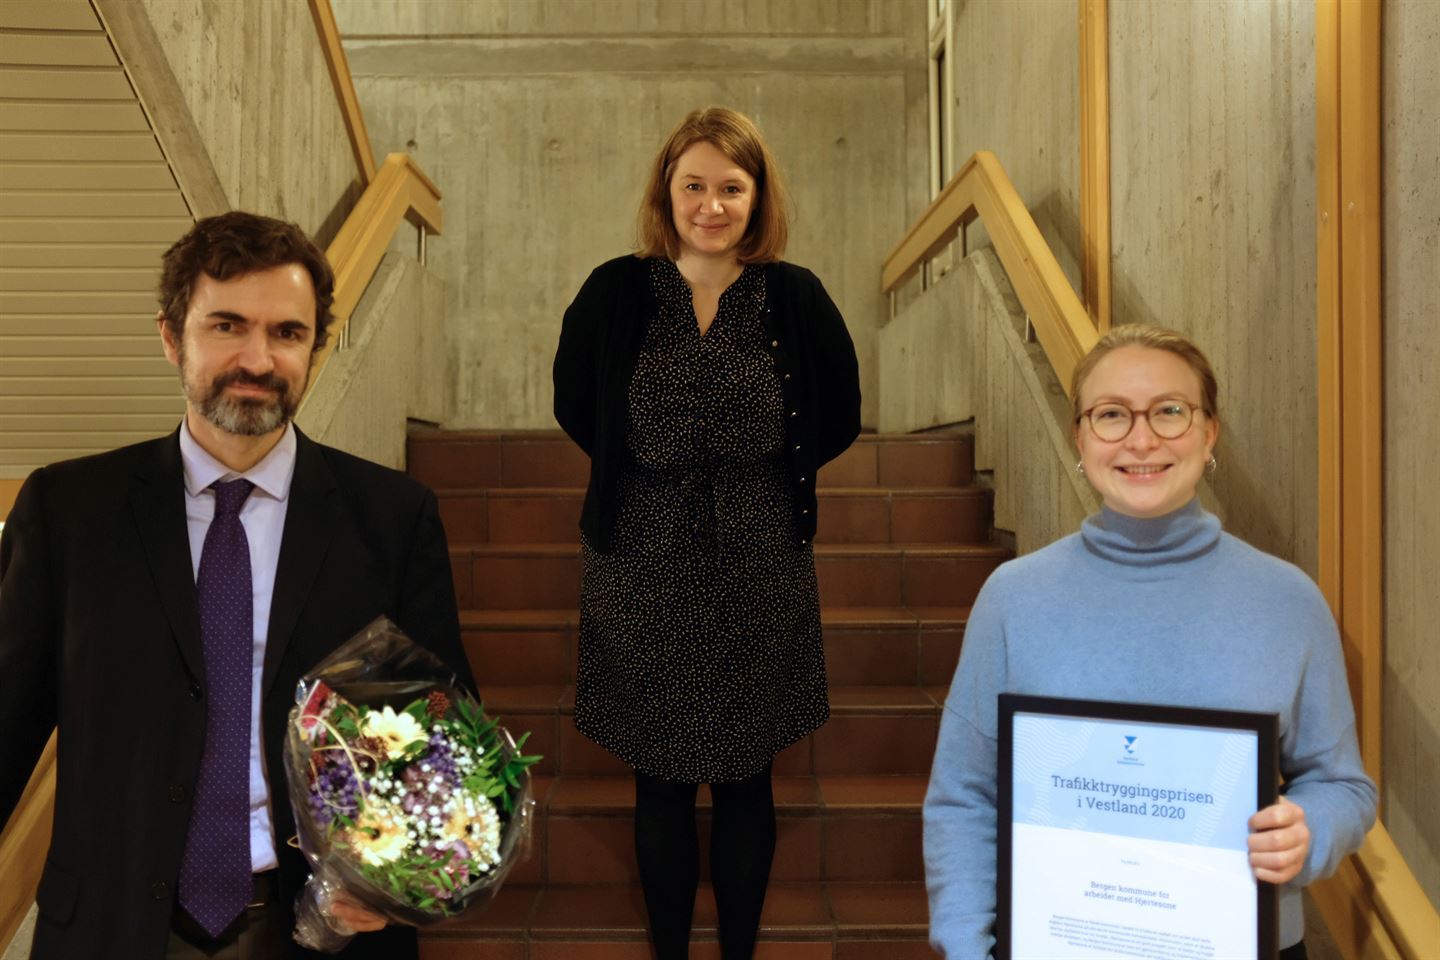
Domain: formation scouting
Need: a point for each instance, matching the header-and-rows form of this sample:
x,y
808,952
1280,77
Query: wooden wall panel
x,y
87,204
52,117
44,345
68,83
1411,185
131,147
46,15
65,205
77,230
89,176
57,50
20,254
585,17
75,403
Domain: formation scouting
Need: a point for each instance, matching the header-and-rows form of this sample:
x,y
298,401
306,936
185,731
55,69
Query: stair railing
x,y
981,189
396,191
1374,906
399,192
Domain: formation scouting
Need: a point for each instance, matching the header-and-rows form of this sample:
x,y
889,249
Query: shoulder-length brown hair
x,y
736,136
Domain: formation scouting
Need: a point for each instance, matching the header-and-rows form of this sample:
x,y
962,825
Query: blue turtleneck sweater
x,y
1166,610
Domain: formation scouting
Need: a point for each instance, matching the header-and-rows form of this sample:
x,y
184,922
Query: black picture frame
x,y
1264,725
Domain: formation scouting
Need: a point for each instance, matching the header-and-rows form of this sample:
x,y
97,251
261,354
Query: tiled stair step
x,y
801,921
863,645
853,829
518,515
494,576
467,460
872,731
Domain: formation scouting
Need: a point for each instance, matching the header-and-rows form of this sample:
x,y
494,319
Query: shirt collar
x,y
271,475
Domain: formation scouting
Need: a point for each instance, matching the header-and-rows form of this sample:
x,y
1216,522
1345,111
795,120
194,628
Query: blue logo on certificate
x,y
1131,757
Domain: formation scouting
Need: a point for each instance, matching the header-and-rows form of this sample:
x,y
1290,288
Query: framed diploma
x,y
1122,831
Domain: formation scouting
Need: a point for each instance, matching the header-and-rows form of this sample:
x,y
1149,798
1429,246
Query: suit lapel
x,y
157,501
310,521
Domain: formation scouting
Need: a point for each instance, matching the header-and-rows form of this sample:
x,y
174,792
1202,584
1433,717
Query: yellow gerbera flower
x,y
379,835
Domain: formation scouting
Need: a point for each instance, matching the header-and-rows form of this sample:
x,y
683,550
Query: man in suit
x,y
158,604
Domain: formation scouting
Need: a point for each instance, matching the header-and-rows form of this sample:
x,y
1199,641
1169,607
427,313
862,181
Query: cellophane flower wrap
x,y
406,796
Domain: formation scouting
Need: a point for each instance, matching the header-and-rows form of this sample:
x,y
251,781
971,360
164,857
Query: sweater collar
x,y
1185,534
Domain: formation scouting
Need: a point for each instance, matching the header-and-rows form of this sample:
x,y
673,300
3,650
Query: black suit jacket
x,y
100,636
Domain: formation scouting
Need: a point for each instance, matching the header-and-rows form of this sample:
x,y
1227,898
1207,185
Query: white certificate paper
x,y
1128,839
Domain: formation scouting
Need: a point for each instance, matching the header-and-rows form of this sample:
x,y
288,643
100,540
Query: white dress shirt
x,y
263,517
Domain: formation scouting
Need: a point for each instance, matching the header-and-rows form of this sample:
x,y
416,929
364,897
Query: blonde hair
x,y
736,136
1155,338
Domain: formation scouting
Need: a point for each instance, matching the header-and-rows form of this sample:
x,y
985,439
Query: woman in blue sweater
x,y
1149,602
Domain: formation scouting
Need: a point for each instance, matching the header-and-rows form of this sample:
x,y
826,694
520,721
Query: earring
x,y
1210,466
1080,468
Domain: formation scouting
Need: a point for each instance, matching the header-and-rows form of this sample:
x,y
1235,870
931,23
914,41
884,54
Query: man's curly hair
x,y
231,245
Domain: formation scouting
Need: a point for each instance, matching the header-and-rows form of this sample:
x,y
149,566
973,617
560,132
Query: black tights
x,y
667,846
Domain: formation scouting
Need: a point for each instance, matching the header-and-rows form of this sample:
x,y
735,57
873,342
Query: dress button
x,y
803,542
787,376
160,890
792,413
802,479
774,343
178,793
805,512
797,446
195,690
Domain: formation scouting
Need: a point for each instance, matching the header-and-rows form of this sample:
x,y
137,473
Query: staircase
x,y
901,551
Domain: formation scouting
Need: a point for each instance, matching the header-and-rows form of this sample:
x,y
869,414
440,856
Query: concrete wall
x,y
1213,186
539,119
1016,76
254,80
1411,177
396,365
958,353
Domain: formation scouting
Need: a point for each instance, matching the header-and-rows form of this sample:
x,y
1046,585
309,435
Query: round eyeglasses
x,y
1168,419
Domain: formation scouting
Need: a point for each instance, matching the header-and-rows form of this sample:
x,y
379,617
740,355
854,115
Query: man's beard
x,y
243,416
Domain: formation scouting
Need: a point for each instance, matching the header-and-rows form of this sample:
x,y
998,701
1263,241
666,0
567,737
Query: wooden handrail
x,y
1374,906
982,189
335,60
400,191
9,488
1095,159
23,844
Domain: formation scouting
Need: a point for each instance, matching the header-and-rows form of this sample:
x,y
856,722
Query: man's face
x,y
244,356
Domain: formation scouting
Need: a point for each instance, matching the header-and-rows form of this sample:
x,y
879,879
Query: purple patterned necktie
x,y
215,883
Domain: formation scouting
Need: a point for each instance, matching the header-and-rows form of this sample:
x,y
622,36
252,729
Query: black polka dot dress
x,y
700,650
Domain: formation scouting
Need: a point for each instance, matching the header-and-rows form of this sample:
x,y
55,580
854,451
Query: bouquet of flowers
x,y
406,796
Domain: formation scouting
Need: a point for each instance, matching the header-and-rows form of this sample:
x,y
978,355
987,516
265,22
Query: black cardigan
x,y
600,342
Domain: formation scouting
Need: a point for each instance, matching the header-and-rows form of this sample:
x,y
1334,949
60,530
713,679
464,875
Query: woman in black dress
x,y
708,381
